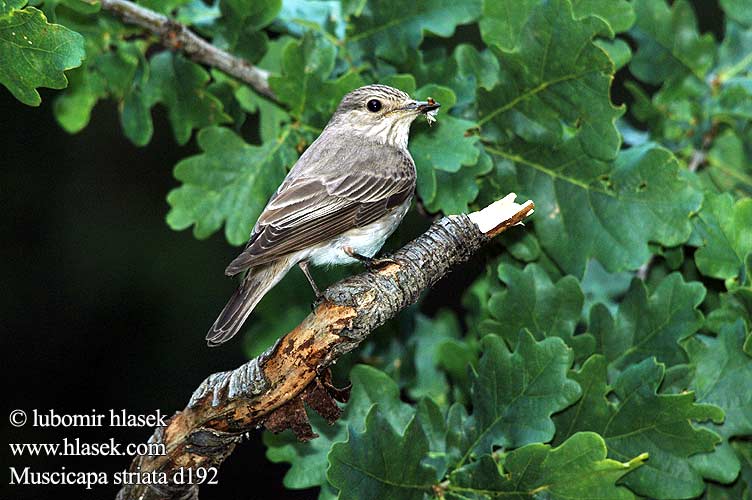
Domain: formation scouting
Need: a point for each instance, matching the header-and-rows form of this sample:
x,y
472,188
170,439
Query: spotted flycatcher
x,y
338,204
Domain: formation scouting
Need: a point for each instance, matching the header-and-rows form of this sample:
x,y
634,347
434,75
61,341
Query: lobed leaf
x,y
371,388
181,86
578,468
304,83
531,301
455,191
504,21
33,52
238,26
738,10
229,182
719,364
447,157
380,462
649,325
516,392
388,28
618,14
601,287
427,340
724,230
728,166
104,73
554,85
603,210
634,418
668,42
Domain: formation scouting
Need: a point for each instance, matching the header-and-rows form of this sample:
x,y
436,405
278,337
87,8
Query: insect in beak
x,y
428,105
430,109
422,106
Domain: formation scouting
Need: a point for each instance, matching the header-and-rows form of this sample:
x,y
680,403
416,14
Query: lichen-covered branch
x,y
177,36
272,389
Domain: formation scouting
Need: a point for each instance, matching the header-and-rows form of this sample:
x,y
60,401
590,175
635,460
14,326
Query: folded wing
x,y
308,210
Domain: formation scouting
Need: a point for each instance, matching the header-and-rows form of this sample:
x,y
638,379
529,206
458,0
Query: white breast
x,y
366,240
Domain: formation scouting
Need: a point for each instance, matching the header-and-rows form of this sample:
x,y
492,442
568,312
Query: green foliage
x,y
649,325
384,460
576,469
309,460
430,338
227,183
718,363
605,351
548,309
381,463
515,394
33,52
725,232
239,28
668,42
587,202
387,28
643,419
554,86
174,81
302,84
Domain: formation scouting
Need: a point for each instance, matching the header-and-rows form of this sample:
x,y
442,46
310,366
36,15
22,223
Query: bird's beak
x,y
422,106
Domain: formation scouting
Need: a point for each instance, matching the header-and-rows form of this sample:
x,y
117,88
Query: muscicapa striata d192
x,y
343,198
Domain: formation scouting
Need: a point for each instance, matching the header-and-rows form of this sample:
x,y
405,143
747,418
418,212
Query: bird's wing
x,y
308,210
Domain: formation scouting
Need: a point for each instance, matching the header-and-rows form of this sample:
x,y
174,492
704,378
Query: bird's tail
x,y
257,281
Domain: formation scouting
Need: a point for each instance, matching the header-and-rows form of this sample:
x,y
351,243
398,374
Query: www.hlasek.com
x,y
76,447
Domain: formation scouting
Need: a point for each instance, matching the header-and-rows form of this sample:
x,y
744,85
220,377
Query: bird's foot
x,y
371,263
319,295
320,299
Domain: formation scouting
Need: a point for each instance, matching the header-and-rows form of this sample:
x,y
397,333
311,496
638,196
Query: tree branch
x,y
698,158
177,36
271,389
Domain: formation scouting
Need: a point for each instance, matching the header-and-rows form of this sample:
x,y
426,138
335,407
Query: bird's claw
x,y
320,299
371,263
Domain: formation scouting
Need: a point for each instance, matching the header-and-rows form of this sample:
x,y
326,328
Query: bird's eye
x,y
374,105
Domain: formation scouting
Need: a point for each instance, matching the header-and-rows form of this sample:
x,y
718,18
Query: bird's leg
x,y
370,262
304,267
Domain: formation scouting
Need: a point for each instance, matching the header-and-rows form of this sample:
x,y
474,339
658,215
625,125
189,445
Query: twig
x,y
697,159
644,270
271,389
700,156
177,36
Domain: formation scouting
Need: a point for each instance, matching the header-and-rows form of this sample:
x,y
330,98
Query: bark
x,y
273,389
178,37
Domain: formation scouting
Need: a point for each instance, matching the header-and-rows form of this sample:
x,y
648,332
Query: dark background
x,y
103,306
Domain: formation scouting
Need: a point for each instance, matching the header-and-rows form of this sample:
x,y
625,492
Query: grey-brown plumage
x,y
342,199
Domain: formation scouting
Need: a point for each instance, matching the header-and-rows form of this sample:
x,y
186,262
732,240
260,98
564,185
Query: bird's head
x,y
379,113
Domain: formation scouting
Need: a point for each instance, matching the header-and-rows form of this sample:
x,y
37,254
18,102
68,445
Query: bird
x,y
342,199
